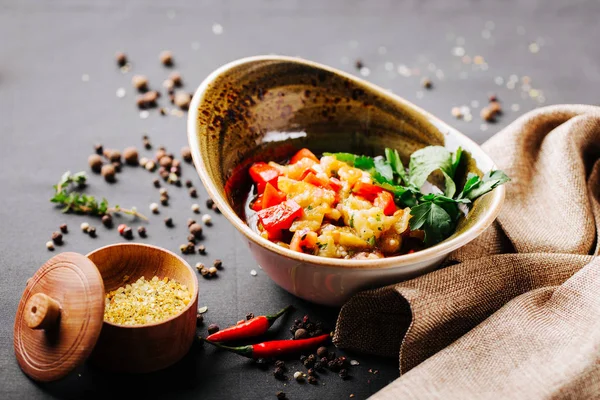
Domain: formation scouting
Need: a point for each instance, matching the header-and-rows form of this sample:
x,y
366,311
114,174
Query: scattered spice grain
x,y
280,395
202,249
207,219
218,264
169,222
426,83
182,100
188,183
210,203
199,318
213,328
196,230
142,231
121,59
166,58
154,208
131,156
57,238
150,166
99,149
299,376
84,227
146,301
164,200
156,183
140,82
108,172
186,154
199,266
95,163
50,245
196,208
128,233
63,228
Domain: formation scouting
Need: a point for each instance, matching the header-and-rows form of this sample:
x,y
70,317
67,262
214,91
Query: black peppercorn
x,y
302,358
164,200
312,380
324,361
196,230
210,203
311,372
128,233
57,238
107,220
142,231
300,334
199,319
318,366
218,264
322,351
216,209
99,149
358,64
156,183
92,231
280,364
186,154
202,249
279,374
169,222
332,366
249,316
121,59
213,328
191,238
280,395
63,228
188,184
193,193
343,373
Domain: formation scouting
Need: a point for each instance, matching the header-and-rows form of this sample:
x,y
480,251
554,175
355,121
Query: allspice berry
x,y
121,59
166,162
148,99
196,230
131,155
166,58
140,82
175,77
186,154
182,100
114,156
95,162
108,172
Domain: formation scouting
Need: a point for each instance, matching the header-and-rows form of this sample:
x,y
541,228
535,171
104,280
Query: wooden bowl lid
x,y
59,318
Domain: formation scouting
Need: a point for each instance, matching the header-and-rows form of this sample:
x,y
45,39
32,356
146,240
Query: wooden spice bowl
x,y
150,347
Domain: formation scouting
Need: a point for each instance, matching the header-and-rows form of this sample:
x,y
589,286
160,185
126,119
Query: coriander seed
x,y
176,163
57,238
128,233
196,230
166,58
154,208
193,193
140,82
121,59
213,328
150,166
107,220
207,219
131,155
142,231
186,154
160,153
212,271
164,175
50,245
202,249
218,263
85,226
196,208
117,166
108,172
95,162
63,228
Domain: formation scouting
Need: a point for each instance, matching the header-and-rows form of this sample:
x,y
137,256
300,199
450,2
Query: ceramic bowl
x,y
150,347
266,108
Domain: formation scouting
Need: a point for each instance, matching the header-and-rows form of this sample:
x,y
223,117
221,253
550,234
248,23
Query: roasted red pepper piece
x,y
262,173
385,201
303,239
335,184
257,204
280,216
275,348
366,190
303,153
272,196
314,180
251,328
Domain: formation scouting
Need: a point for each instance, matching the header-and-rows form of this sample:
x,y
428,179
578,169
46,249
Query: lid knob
x,y
41,312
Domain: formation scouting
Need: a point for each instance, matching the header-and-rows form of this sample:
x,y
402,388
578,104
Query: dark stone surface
x,y
50,120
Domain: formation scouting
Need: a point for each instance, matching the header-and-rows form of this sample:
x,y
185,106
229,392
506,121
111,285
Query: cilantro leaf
x,y
434,220
393,158
476,187
429,159
383,170
364,162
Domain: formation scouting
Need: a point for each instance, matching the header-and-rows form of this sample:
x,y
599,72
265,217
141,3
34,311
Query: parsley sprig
x,y
435,213
77,202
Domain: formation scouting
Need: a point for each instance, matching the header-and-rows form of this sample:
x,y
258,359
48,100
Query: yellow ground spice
x,y
146,301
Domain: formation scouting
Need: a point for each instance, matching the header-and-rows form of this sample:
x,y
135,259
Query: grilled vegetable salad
x,y
351,206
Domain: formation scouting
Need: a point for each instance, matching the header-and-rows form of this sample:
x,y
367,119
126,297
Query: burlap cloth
x,y
515,314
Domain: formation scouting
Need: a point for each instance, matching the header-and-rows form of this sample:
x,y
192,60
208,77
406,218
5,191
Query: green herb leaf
x,y
475,187
348,158
393,158
371,241
426,160
403,196
364,162
384,172
456,157
434,220
351,221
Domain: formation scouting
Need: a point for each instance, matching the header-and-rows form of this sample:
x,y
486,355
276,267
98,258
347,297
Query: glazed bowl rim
x,y
181,260
483,221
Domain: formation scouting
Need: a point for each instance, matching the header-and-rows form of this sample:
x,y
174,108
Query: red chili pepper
x,y
275,348
280,216
303,153
251,328
262,173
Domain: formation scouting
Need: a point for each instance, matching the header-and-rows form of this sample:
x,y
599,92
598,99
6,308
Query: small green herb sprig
x,y
435,213
77,202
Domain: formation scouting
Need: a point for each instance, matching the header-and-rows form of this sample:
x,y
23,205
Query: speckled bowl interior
x,y
266,108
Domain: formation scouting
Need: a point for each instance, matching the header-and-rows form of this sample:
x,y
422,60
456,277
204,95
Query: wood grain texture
x,y
144,348
59,318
